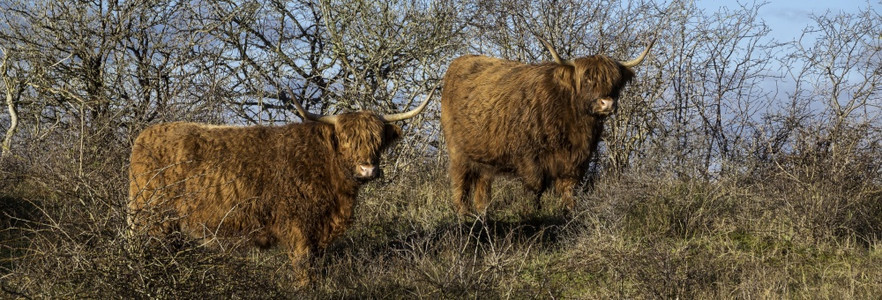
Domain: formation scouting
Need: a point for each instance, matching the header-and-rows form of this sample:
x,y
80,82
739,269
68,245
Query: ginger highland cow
x,y
294,185
540,123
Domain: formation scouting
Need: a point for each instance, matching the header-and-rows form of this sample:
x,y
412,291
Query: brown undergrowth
x,y
769,234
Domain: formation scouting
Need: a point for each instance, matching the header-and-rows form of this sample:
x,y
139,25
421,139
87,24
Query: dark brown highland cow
x,y
293,185
540,123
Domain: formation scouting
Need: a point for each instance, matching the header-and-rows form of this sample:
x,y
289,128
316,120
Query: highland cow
x,y
540,123
294,185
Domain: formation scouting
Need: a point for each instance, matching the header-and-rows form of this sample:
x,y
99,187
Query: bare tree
x,y
332,56
840,71
829,124
11,88
717,64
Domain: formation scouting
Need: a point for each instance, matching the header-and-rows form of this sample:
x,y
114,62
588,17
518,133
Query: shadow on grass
x,y
17,216
456,258
386,238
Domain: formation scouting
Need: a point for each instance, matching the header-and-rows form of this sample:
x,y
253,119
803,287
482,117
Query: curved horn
x,y
412,113
639,59
554,53
314,117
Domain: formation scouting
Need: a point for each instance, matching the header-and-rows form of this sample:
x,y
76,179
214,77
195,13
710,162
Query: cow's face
x,y
362,137
595,81
598,83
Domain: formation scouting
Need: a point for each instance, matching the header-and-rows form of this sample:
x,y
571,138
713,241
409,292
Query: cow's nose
x,y
606,104
366,170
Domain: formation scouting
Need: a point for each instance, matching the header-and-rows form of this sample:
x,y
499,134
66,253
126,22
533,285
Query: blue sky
x,y
787,18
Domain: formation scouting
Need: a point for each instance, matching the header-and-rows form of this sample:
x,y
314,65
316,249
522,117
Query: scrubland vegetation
x,y
737,166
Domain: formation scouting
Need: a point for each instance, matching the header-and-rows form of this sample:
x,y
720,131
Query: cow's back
x,y
490,109
195,177
169,172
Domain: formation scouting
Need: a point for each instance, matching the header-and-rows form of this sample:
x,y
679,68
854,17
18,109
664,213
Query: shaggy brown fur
x,y
293,185
540,123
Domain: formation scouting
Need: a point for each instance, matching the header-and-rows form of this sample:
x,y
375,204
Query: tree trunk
x,y
13,123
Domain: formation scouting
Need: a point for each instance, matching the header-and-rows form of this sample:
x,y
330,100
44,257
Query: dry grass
x,y
635,235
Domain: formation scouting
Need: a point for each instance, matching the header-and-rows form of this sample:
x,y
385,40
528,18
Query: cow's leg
x,y
461,182
302,261
300,253
537,197
565,187
534,181
536,186
482,192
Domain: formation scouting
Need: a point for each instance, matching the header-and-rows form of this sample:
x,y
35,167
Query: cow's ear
x,y
391,133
